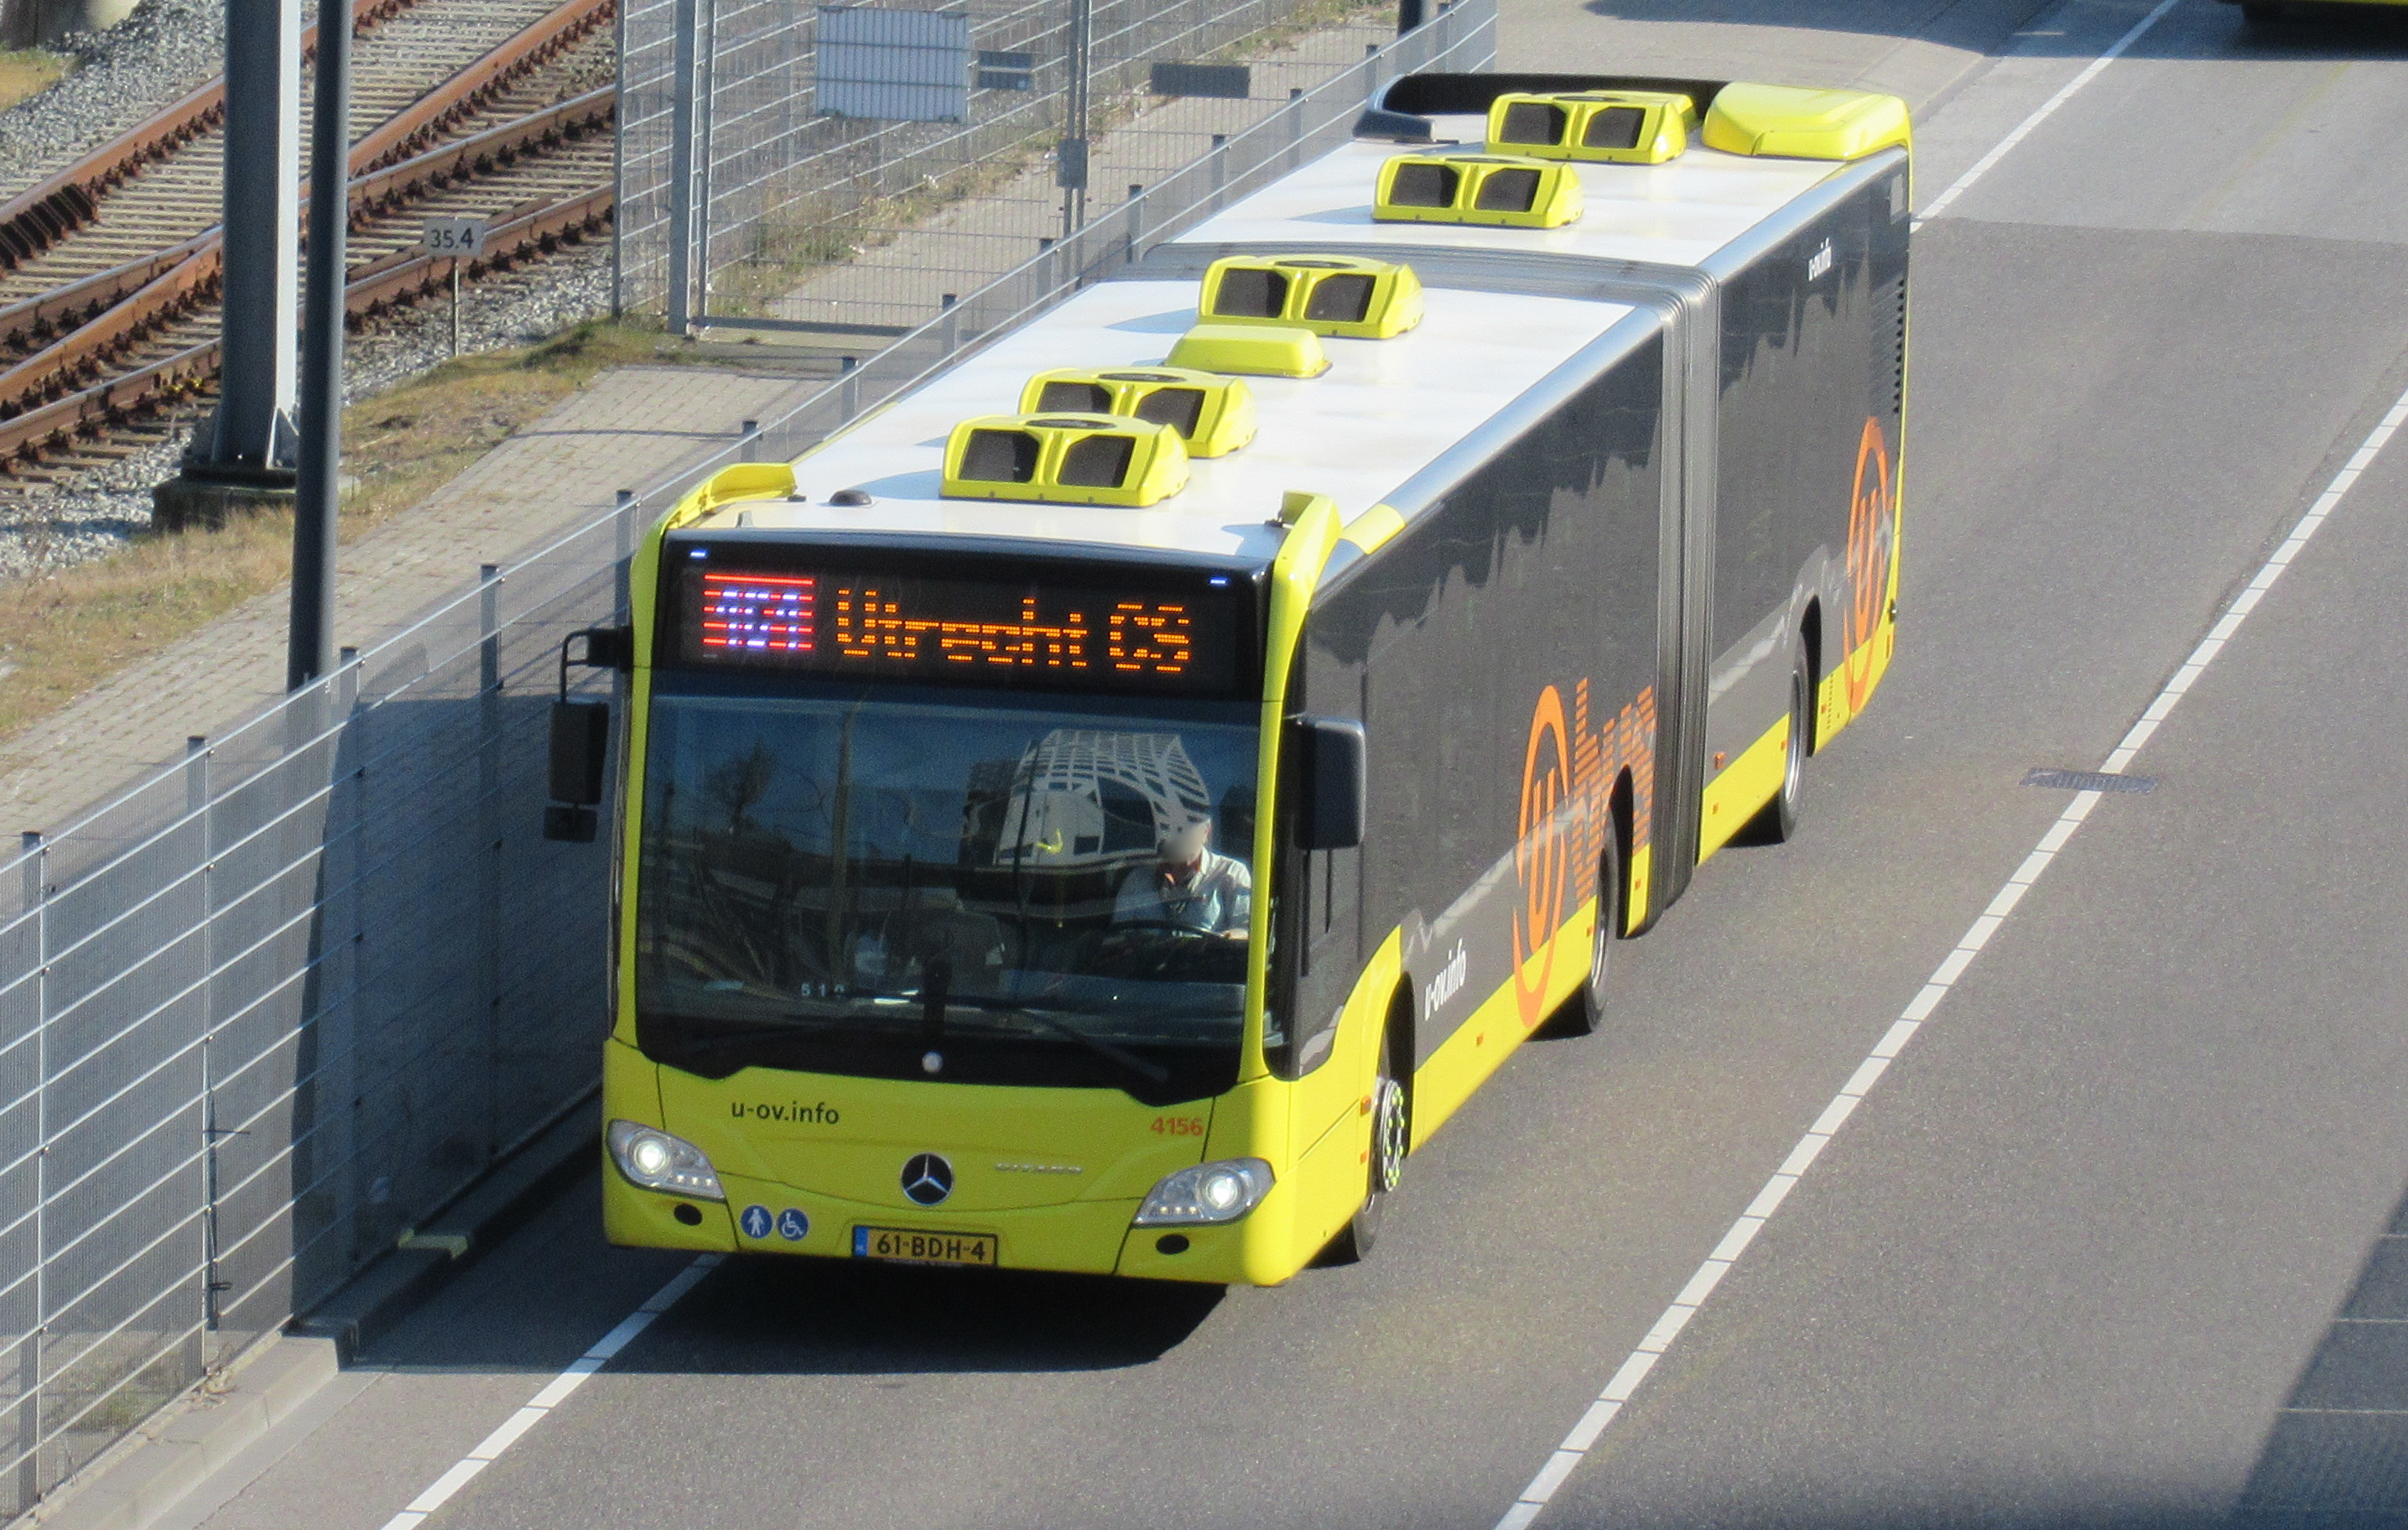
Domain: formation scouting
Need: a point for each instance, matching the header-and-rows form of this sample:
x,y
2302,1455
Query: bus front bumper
x,y
1084,1237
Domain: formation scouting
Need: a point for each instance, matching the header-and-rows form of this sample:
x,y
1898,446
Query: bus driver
x,y
1189,885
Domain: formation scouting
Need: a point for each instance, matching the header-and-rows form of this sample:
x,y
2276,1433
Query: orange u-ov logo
x,y
1872,522
1541,853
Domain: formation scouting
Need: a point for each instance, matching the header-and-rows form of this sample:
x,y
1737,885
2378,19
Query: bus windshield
x,y
908,884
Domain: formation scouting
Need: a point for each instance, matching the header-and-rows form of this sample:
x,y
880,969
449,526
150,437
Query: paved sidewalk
x,y
628,428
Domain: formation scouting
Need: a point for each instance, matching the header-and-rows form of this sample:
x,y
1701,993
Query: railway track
x,y
109,270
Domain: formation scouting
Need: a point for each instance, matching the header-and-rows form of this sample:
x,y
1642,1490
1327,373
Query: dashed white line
x,y
1625,1384
555,1391
2044,111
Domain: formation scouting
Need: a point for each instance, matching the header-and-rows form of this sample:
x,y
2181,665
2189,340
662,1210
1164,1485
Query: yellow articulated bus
x,y
1105,809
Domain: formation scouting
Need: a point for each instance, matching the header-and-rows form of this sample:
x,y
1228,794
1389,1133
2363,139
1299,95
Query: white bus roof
x,y
1677,213
1383,411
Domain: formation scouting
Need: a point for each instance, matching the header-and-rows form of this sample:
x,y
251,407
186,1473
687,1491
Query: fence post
x,y
1220,155
197,808
35,866
1070,155
1133,240
707,130
748,439
336,1118
682,170
624,524
489,838
948,335
1294,128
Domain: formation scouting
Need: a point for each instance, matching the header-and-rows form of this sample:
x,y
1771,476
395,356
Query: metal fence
x,y
778,215
277,1004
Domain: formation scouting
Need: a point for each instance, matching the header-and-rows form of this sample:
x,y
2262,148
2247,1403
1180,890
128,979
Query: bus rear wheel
x,y
1391,1140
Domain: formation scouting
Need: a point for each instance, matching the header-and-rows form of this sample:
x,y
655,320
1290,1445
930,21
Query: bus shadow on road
x,y
809,1316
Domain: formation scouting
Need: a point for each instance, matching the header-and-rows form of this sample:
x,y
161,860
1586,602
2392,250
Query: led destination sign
x,y
951,631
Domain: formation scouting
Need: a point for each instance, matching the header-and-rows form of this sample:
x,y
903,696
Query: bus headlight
x,y
1207,1194
651,1158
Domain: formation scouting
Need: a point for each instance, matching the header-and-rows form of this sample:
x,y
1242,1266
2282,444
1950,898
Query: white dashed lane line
x,y
1686,1306
557,1391
2042,113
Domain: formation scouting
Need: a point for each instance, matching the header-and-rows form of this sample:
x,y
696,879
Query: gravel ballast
x,y
102,508
164,51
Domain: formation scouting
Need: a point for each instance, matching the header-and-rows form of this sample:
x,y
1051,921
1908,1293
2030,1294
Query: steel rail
x,y
125,305
121,398
33,220
62,309
162,298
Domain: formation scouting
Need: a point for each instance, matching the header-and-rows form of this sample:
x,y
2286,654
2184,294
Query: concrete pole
x,y
242,457
311,651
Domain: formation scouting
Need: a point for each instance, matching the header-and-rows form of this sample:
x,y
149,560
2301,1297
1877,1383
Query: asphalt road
x,y
2106,1246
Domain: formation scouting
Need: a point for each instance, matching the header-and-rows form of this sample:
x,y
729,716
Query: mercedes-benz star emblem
x,y
928,1179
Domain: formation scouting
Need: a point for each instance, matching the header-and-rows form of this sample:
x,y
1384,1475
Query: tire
x,y
1584,1014
1391,1140
1776,823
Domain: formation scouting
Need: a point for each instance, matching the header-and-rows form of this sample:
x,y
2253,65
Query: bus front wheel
x,y
1391,1140
1776,823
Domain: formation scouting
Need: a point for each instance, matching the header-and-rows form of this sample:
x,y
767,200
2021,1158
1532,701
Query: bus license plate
x,y
904,1246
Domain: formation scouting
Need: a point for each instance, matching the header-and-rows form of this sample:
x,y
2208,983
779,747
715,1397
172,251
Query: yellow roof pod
x,y
1328,295
1498,190
1065,459
1789,121
1213,415
1258,350
1611,127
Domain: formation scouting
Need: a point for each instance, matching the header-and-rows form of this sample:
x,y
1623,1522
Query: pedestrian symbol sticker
x,y
756,1222
793,1225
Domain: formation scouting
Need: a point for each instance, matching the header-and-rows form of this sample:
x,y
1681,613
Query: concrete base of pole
x,y
184,502
190,501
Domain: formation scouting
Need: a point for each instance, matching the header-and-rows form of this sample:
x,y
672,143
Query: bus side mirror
x,y
581,735
580,739
1333,781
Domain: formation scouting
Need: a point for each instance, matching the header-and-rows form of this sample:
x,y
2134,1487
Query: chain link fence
x,y
783,214
279,1004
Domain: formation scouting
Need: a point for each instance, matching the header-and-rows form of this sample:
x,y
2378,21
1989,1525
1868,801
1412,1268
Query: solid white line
x,y
554,1392
2047,109
1776,1189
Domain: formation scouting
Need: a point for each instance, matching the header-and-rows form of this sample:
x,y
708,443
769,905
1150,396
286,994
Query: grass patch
x,y
28,72
63,633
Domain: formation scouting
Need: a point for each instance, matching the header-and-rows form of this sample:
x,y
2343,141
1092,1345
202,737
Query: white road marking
x,y
2046,110
555,1391
1776,1189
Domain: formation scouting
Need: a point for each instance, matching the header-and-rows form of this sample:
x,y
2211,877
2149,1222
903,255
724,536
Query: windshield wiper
x,y
1151,1072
